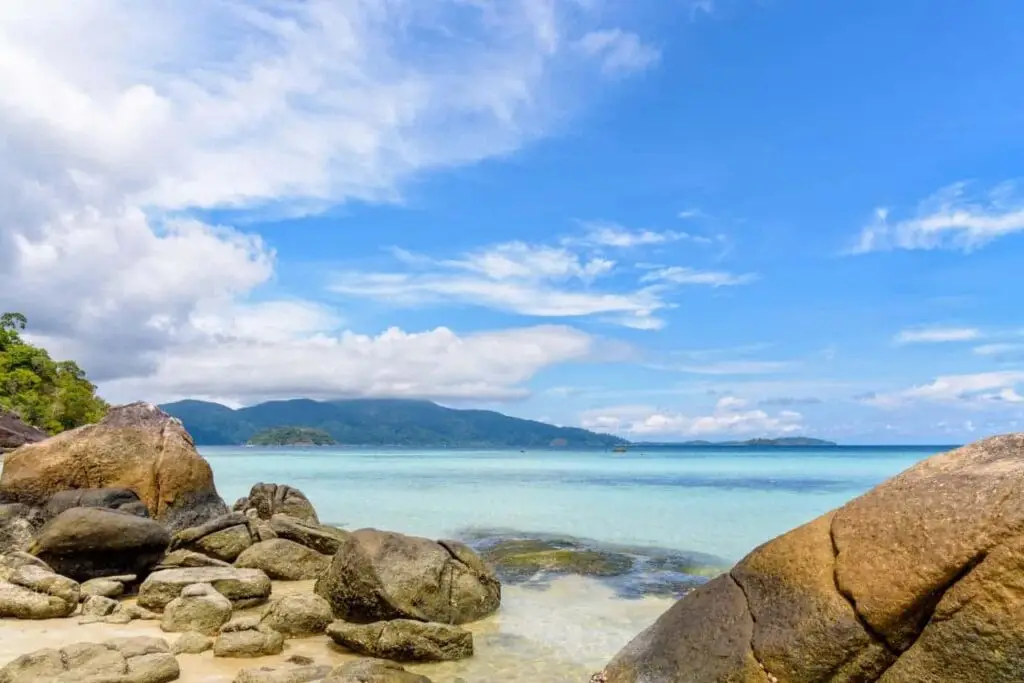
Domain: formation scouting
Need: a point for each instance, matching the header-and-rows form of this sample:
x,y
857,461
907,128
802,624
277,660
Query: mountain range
x,y
380,422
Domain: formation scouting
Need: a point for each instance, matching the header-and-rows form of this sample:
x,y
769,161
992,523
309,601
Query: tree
x,y
50,395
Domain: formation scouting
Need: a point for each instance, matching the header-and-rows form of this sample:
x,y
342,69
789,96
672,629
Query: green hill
x,y
380,422
292,436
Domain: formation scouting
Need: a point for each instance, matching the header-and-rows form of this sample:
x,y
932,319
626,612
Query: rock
x,y
18,526
9,562
271,499
323,539
199,608
123,500
89,543
107,588
294,674
98,606
137,447
122,660
298,616
284,560
192,643
404,640
378,575
243,587
36,593
223,538
520,559
14,433
247,637
373,671
920,579
178,559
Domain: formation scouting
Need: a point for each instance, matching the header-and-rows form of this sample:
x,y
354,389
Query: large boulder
x,y
298,615
284,560
323,539
247,637
379,575
89,543
127,660
32,592
404,640
223,538
270,499
243,587
137,447
14,433
19,524
199,608
122,500
920,579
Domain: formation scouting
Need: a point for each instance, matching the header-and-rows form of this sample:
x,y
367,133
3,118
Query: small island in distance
x,y
785,441
292,436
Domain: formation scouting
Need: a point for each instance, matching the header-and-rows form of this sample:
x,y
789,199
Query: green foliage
x,y
292,436
381,422
47,394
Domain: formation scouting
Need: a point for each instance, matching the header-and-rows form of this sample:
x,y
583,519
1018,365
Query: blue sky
x,y
670,220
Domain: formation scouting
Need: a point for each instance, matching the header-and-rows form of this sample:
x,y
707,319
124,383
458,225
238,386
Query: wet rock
x,y
293,674
192,643
298,616
404,640
199,608
122,660
243,587
247,637
89,543
522,559
223,538
323,539
35,593
123,500
373,671
137,447
271,499
284,560
378,575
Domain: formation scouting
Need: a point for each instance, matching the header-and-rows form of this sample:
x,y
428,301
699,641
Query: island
x,y
783,442
292,436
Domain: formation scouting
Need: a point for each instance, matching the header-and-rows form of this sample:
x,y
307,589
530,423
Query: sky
x,y
666,219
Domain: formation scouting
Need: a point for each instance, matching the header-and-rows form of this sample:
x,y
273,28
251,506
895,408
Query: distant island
x,y
785,441
378,422
292,436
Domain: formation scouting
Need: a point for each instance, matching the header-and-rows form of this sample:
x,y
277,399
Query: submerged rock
x,y
379,575
243,587
291,674
917,580
404,640
373,671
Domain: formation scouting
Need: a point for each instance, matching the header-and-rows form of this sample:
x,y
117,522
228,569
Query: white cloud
x,y
999,349
969,390
950,219
120,117
937,335
729,417
621,52
604,234
732,367
680,275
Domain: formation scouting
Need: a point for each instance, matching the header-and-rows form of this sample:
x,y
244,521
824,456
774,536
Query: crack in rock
x,y
772,678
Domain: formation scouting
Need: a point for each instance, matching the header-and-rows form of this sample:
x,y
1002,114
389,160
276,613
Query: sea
x,y
704,506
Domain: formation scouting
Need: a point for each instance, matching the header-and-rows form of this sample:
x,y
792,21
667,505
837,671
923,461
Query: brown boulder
x,y
14,433
920,579
271,499
137,447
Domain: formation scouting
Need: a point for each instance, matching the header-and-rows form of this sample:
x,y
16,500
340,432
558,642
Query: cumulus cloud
x,y
731,416
121,118
937,335
953,218
968,390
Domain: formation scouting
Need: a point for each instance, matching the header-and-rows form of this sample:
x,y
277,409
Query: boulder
x,y
19,524
323,539
184,559
14,433
199,608
271,499
292,674
89,543
379,575
123,500
137,447
284,560
223,538
98,606
920,579
107,588
298,615
32,592
192,643
373,671
247,637
243,587
9,562
404,640
122,660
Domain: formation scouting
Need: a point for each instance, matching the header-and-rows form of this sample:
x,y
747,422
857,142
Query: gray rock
x,y
246,637
35,593
89,543
379,575
98,606
199,608
107,588
18,526
323,539
294,674
270,499
124,500
284,560
192,643
298,616
223,538
373,671
15,433
184,559
243,587
16,559
123,660
404,640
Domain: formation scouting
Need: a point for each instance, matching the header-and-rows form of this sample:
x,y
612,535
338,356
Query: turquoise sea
x,y
712,503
